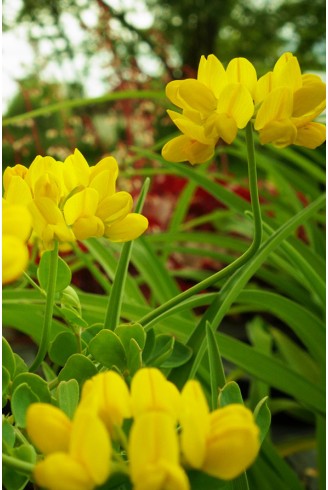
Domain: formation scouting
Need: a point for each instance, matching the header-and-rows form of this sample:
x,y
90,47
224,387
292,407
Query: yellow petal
x,y
287,72
263,87
190,128
240,70
81,205
17,191
115,207
212,74
87,227
233,443
311,136
129,228
17,221
90,444
48,427
76,171
198,96
103,177
311,98
59,471
236,101
14,258
110,397
153,439
221,126
194,420
280,133
16,171
44,165
278,105
150,391
172,92
182,148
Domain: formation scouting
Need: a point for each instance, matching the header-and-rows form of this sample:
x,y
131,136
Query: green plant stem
x,y
17,464
147,320
50,301
115,298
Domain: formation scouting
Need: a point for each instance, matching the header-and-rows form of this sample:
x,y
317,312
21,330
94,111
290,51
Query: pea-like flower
x,y
289,104
214,107
151,391
72,200
16,229
154,453
223,443
78,452
107,395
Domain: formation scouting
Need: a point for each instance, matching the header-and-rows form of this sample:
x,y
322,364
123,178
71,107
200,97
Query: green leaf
x,y
68,396
134,357
5,384
36,383
64,274
21,366
8,359
62,347
262,416
128,332
12,480
107,348
180,355
77,367
229,394
8,433
217,378
163,349
149,345
70,299
90,332
201,481
21,399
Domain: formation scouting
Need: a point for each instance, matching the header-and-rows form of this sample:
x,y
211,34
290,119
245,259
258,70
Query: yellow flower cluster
x,y
283,104
171,432
70,200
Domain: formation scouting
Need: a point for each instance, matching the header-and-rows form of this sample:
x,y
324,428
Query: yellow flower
x,y
107,395
154,454
78,452
16,229
151,391
71,200
223,443
214,107
289,103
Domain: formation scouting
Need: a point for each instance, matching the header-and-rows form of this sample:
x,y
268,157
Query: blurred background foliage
x,y
85,49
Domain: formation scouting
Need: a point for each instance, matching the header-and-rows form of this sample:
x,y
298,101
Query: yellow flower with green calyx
x,y
78,452
214,107
16,229
154,453
222,443
289,102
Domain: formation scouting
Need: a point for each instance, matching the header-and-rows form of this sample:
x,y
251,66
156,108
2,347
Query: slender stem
x,y
17,464
114,304
257,237
50,301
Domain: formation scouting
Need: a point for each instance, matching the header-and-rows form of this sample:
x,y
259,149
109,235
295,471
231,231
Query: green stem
x,y
17,464
114,304
50,301
148,319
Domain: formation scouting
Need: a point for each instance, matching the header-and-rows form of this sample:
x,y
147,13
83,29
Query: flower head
x,y
72,201
222,443
78,452
214,107
289,103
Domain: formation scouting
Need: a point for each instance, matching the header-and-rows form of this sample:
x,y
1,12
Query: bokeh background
x,y
61,50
